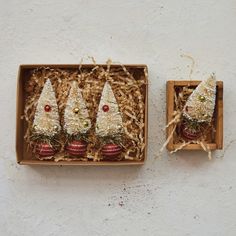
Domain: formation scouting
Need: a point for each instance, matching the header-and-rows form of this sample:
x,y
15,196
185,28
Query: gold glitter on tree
x,y
76,117
201,103
46,120
109,119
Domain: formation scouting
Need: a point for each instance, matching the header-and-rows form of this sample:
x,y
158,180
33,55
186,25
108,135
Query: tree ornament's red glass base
x,y
189,133
111,150
77,148
45,150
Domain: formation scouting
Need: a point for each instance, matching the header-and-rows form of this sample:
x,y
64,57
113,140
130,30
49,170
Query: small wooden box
x,y
217,139
25,157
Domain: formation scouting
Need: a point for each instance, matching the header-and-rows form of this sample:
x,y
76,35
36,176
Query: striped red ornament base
x,y
111,150
189,134
45,150
77,148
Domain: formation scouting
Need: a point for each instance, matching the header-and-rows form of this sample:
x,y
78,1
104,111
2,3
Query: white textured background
x,y
183,194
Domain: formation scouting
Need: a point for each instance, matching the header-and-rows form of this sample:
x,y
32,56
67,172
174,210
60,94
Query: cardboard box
x,y
217,137
25,157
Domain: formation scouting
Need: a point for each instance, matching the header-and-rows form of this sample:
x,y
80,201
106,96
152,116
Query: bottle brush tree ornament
x,y
76,122
46,125
198,110
192,116
109,125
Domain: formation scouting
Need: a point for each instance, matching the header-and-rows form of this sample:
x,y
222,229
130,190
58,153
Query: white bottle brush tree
x,y
46,125
199,108
76,122
109,125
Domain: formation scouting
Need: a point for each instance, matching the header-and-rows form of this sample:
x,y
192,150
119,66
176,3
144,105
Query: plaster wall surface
x,y
182,194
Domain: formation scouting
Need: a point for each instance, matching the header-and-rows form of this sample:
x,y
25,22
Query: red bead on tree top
x,y
47,108
105,108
